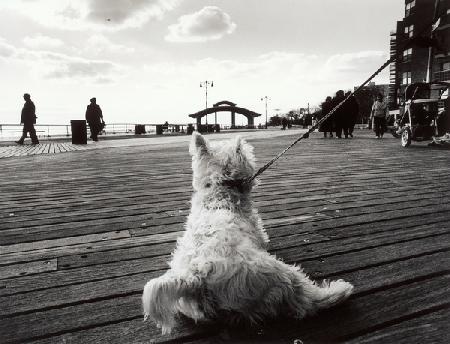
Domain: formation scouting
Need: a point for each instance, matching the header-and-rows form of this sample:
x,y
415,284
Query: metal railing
x,y
442,75
9,132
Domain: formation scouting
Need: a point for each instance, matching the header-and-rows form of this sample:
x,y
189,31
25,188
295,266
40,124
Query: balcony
x,y
442,75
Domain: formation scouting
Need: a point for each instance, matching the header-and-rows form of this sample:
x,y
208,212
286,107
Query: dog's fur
x,y
220,267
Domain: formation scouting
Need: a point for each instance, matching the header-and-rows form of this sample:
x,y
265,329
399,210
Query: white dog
x,y
220,267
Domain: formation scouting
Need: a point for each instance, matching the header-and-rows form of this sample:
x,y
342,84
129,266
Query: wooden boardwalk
x,y
80,234
43,148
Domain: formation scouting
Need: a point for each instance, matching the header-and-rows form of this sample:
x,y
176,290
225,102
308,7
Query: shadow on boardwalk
x,y
80,234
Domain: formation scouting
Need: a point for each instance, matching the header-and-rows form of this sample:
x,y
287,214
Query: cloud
x,y
351,62
6,50
290,79
40,41
210,23
91,14
53,65
351,66
99,44
60,66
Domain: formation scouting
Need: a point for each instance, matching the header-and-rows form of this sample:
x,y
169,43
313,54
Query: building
x,y
426,57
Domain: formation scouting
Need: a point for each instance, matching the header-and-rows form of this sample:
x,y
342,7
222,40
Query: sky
x,y
144,60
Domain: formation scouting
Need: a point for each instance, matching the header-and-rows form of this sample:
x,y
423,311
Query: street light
x,y
205,84
266,98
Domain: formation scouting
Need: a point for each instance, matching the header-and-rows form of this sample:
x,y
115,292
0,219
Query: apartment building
x,y
427,57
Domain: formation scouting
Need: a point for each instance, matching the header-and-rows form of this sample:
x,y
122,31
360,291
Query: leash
x,y
329,114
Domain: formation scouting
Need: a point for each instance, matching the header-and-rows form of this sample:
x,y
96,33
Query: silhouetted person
x,y
284,122
339,115
94,117
28,118
351,115
327,125
379,112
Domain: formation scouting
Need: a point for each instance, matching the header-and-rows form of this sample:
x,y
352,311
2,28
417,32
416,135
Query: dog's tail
x,y
329,294
167,295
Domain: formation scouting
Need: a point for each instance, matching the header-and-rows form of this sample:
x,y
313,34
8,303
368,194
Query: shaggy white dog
x,y
220,267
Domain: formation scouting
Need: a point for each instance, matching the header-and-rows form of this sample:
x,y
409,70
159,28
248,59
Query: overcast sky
x,y
144,59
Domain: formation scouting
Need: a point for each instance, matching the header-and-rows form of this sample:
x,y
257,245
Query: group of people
x,y
94,118
343,120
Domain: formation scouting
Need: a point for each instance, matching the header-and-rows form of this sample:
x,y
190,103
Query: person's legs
x,y
351,129
376,124
345,131
94,132
33,135
24,135
338,131
382,126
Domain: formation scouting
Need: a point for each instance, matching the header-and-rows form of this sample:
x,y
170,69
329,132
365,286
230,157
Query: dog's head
x,y
221,166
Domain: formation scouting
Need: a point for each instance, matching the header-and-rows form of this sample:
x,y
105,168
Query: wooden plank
x,y
379,275
30,268
20,285
360,314
429,328
67,241
85,248
326,327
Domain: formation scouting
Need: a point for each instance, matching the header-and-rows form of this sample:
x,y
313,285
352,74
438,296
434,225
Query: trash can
x,y
217,128
139,129
159,129
79,132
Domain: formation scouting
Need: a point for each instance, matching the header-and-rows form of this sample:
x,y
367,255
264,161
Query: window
x,y
409,31
445,66
407,55
406,78
409,7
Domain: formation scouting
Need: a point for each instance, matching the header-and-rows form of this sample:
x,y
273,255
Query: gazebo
x,y
227,106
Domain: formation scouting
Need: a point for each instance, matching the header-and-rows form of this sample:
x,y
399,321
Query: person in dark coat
x,y
339,115
327,125
284,123
28,119
352,111
94,118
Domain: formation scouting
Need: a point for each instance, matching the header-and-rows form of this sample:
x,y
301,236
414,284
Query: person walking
x,y
28,119
327,125
340,115
352,109
378,114
94,118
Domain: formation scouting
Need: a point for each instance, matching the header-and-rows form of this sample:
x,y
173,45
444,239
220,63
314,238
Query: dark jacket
x,y
28,115
326,125
350,110
94,114
339,114
354,109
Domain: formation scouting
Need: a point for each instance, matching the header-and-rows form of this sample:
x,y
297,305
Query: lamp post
x,y
205,84
265,98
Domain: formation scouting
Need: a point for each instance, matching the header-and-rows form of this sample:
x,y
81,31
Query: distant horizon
x,y
144,61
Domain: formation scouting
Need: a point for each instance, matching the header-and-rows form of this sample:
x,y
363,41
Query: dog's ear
x,y
244,150
199,145
238,144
